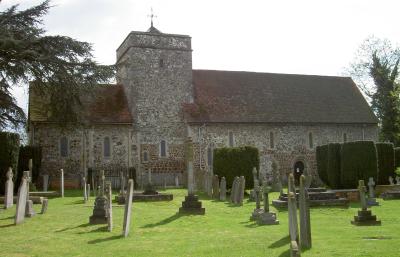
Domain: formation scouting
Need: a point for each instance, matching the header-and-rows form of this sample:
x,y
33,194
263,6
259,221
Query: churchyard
x,y
226,230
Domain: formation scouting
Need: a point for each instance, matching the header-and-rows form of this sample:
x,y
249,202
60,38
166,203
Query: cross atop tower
x,y
151,16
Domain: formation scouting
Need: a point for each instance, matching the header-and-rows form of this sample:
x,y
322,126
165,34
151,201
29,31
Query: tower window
x,y
64,147
310,140
163,148
271,140
231,139
161,64
106,147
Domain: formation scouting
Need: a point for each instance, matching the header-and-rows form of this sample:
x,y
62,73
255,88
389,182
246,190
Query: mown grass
x,y
225,230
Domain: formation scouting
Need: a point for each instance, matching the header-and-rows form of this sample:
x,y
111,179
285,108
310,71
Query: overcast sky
x,y
303,37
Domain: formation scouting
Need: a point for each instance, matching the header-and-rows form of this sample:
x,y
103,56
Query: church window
x,y
271,140
161,63
106,147
145,156
209,156
344,137
231,139
163,148
310,140
64,147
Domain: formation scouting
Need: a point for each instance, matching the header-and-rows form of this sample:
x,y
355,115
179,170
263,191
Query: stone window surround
x,y
104,146
166,149
60,148
300,158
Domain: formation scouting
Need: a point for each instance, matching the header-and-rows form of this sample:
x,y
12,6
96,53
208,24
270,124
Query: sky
x,y
286,36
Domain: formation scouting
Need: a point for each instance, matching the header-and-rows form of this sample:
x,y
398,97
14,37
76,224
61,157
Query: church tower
x,y
156,71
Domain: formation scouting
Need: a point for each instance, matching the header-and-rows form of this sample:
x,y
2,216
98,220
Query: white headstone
x,y
21,202
128,209
9,192
391,180
62,182
397,180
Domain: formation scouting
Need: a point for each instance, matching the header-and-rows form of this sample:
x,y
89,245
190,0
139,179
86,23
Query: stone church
x,y
143,121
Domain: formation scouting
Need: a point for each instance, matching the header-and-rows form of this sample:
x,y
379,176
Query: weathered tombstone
x,y
216,187
191,204
100,210
234,189
257,211
304,213
371,201
29,211
109,197
391,180
267,217
62,182
9,191
84,190
45,203
128,209
45,182
21,201
364,216
397,180
222,189
293,224
240,191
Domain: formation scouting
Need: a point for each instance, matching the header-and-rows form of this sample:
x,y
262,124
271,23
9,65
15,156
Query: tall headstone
x,y
45,203
191,204
364,216
222,189
293,224
109,197
241,188
235,184
9,190
84,190
216,187
371,201
304,213
62,182
29,211
210,184
391,180
21,201
205,181
45,182
128,209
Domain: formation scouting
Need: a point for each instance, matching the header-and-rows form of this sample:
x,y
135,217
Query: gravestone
x,y
29,211
215,185
100,210
21,201
257,211
45,182
109,197
222,189
234,188
9,191
391,180
149,188
88,191
397,180
292,215
304,213
267,217
191,204
241,190
84,190
45,203
364,217
62,182
371,201
128,209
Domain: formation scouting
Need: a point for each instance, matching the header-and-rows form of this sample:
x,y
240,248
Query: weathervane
x,y
151,16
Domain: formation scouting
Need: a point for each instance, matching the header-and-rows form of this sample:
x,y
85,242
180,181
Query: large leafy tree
x,y
376,72
58,67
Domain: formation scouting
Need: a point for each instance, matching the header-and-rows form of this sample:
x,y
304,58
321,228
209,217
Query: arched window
x,y
231,139
271,140
106,147
64,147
310,140
163,148
145,156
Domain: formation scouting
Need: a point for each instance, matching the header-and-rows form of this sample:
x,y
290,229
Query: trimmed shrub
x,y
236,161
386,167
322,162
9,151
333,167
358,161
397,157
26,153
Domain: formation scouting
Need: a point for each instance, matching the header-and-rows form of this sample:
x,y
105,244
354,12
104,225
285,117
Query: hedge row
x,y
9,150
26,153
236,161
386,164
322,163
333,165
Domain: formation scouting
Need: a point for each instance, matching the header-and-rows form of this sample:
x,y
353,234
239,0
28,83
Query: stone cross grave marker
x,y
128,209
304,212
222,188
45,182
391,180
45,203
21,201
62,182
257,211
364,216
29,212
9,191
267,217
216,187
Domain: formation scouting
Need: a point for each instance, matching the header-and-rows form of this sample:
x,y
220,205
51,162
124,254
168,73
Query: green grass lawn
x,y
225,230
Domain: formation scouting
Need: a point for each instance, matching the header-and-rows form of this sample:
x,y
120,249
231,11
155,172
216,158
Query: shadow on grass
x,y
70,228
165,221
101,240
285,253
8,225
8,218
281,242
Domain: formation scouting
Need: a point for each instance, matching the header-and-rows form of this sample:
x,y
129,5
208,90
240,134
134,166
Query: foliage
x,y
58,66
230,162
26,153
333,167
397,171
358,161
397,157
375,71
9,150
386,166
322,163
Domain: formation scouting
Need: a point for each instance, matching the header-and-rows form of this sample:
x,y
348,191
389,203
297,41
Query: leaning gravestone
x,y
128,209
304,211
62,182
364,216
45,203
222,189
9,192
215,185
21,201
